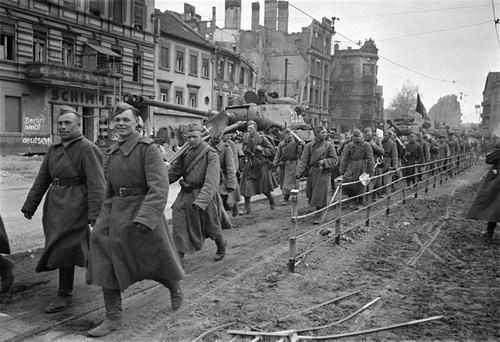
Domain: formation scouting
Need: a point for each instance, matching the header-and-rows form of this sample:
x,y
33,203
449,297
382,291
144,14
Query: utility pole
x,y
286,75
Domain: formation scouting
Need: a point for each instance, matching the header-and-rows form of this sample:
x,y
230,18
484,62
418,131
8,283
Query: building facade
x,y
184,75
355,98
490,117
84,54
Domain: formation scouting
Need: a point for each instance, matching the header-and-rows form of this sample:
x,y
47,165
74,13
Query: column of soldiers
x,y
114,224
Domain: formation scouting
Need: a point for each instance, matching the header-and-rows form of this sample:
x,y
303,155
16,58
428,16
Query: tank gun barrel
x,y
140,101
391,124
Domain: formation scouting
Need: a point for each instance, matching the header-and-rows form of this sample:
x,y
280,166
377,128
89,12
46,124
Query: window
x,y
368,69
7,41
165,57
69,4
164,95
39,50
13,114
178,97
179,61
193,65
139,10
115,62
137,67
220,70
250,78
193,100
205,68
219,102
230,71
95,7
117,10
242,76
68,48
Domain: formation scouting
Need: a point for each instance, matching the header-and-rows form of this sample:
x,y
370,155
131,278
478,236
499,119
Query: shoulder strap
x,y
197,159
71,162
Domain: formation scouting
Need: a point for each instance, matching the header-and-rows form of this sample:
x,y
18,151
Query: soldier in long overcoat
x,y
486,205
131,240
357,158
256,177
414,155
72,176
389,161
286,160
6,265
228,182
317,160
197,212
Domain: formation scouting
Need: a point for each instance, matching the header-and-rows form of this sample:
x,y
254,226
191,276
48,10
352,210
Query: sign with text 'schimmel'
x,y
79,98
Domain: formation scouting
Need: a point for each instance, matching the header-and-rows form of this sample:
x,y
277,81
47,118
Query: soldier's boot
x,y
286,200
247,206
6,273
176,294
270,197
221,248
113,318
488,233
64,297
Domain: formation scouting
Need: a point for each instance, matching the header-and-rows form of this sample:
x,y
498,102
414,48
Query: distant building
x,y
355,98
446,112
184,74
293,65
490,117
65,52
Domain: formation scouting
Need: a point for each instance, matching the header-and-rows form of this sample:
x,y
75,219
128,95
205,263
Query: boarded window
x,y
13,114
165,57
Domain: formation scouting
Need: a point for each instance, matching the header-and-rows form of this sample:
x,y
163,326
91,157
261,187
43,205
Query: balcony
x,y
56,74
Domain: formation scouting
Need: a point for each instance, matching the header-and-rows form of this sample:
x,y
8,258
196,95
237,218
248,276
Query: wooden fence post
x,y
293,230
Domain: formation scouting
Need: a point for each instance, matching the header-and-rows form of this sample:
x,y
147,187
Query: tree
x,y
404,103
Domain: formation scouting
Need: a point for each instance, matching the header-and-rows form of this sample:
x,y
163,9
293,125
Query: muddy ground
x,y
422,261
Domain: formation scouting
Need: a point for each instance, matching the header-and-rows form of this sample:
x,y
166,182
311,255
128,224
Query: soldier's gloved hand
x,y
142,228
197,208
29,216
92,223
167,165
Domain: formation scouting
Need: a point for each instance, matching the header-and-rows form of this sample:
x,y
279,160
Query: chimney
x,y
255,16
283,16
270,14
233,14
214,21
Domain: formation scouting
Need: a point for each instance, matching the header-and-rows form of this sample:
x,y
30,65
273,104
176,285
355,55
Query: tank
x,y
271,117
404,126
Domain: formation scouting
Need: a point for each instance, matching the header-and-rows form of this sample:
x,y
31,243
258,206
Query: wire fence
x,y
383,192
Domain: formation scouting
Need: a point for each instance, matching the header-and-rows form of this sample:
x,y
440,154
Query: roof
x,y
103,50
172,25
492,79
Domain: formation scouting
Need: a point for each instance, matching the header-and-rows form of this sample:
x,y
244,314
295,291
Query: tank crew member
x,y
72,175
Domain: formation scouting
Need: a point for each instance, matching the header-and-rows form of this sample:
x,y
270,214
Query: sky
x,y
442,47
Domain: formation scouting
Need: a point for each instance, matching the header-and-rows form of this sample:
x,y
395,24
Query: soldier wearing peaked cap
x,y
198,211
131,240
72,176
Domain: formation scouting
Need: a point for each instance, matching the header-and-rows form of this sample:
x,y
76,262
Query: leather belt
x,y
66,182
124,192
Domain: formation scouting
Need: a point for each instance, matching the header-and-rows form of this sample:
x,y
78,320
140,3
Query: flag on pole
x,y
421,110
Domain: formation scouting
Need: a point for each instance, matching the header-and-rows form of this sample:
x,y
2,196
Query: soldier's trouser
x,y
66,280
112,303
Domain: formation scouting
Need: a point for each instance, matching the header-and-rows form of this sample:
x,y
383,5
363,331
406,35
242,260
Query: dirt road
x,y
424,260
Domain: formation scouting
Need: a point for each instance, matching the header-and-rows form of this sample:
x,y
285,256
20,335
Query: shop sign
x,y
80,98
